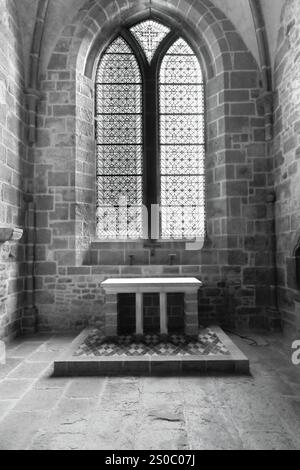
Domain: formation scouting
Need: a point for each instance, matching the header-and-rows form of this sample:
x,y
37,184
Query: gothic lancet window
x,y
181,143
150,136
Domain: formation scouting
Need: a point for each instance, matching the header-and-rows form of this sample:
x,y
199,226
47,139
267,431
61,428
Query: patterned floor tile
x,y
206,343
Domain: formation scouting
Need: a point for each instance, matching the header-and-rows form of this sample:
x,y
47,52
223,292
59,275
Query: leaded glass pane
x,y
181,143
121,99
180,65
119,46
119,129
119,143
181,129
125,221
182,159
111,189
181,190
118,65
149,34
181,47
182,222
181,99
119,159
180,69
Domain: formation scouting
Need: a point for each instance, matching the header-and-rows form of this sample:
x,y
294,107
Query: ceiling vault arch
x,y
265,64
32,93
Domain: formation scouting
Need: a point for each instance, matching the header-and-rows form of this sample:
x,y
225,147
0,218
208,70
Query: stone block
x,y
258,276
105,270
113,257
43,138
110,308
45,297
59,243
58,97
64,110
64,140
15,285
235,41
58,62
63,228
236,124
191,330
191,307
45,269
42,219
237,257
188,296
111,298
234,96
244,80
237,188
43,236
61,212
65,257
244,61
56,178
10,195
80,270
110,330
55,124
243,109
256,150
44,203
235,156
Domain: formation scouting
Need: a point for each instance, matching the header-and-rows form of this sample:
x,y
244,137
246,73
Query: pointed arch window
x,y
150,131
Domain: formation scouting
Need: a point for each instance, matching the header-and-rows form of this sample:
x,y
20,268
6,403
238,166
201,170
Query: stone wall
x,y
237,261
286,150
13,164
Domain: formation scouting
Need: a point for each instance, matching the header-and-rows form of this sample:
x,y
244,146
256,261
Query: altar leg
x,y
111,314
191,325
139,313
163,314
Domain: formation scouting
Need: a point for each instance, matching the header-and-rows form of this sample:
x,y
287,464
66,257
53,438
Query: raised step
x,y
92,354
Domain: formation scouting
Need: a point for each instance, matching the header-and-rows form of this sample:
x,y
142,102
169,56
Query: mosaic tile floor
x,y
206,343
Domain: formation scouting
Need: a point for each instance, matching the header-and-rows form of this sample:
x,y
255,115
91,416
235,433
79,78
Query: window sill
x,y
187,244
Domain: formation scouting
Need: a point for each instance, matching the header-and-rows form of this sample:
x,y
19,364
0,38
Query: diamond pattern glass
x,y
119,99
119,129
182,138
181,129
119,144
189,158
119,160
125,221
179,222
149,34
182,99
113,188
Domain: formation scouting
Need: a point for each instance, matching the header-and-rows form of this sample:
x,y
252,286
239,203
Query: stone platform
x,y
93,354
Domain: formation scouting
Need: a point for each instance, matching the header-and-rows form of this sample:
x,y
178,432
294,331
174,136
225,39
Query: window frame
x,y
151,72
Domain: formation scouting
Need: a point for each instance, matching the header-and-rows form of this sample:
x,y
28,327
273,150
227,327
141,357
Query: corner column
x,y
111,314
191,323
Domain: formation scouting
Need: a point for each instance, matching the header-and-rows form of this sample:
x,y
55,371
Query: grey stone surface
x,y
261,411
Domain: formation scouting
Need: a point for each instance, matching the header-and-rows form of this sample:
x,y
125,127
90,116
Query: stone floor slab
x,y
14,388
223,411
